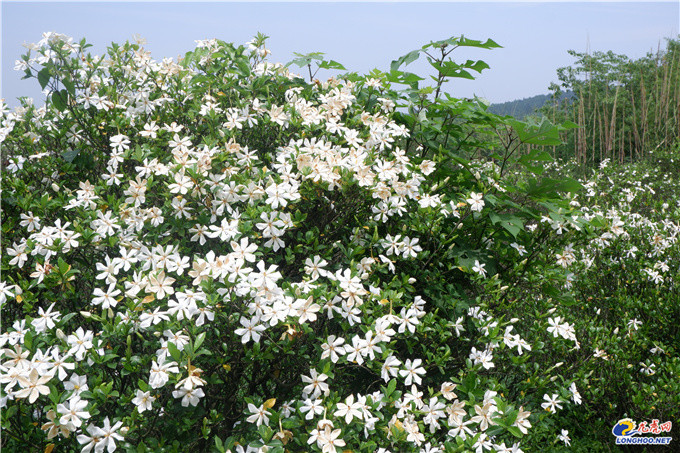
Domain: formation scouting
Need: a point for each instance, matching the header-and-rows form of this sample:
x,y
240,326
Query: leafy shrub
x,y
216,254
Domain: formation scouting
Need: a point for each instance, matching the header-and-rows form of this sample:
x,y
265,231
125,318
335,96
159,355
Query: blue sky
x,y
362,36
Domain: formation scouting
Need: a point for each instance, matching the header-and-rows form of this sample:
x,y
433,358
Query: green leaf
x,y
69,155
405,60
66,318
511,223
243,67
515,431
548,187
43,77
451,69
199,341
60,100
391,387
478,65
265,432
219,445
543,133
70,87
303,60
332,64
511,417
569,185
28,340
174,352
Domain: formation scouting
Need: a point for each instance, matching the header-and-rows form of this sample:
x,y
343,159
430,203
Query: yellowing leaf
x,y
284,435
148,299
49,448
19,298
269,403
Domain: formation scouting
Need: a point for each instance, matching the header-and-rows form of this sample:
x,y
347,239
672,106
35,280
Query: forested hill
x,y
520,108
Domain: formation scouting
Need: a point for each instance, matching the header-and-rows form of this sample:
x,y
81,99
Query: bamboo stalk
x,y
612,127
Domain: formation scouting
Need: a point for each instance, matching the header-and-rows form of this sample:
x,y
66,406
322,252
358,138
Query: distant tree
x,y
521,108
624,107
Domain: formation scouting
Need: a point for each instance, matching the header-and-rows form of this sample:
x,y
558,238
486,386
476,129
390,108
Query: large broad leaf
x,y
402,77
462,41
548,187
488,44
303,60
43,77
543,133
69,155
536,155
405,60
511,223
60,100
332,64
477,65
243,66
451,69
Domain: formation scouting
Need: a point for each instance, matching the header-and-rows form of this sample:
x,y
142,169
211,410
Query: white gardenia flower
x,y
120,142
160,373
189,396
80,342
413,371
552,402
143,401
312,408
260,415
575,395
94,440
564,437
72,412
485,358
316,384
476,202
106,299
349,409
333,348
46,319
160,285
33,385
251,329
479,268
109,435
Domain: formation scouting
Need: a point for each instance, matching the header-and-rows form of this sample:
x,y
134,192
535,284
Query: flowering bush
x,y
213,253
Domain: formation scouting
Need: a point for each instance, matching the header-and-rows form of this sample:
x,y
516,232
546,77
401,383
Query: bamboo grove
x,y
623,107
